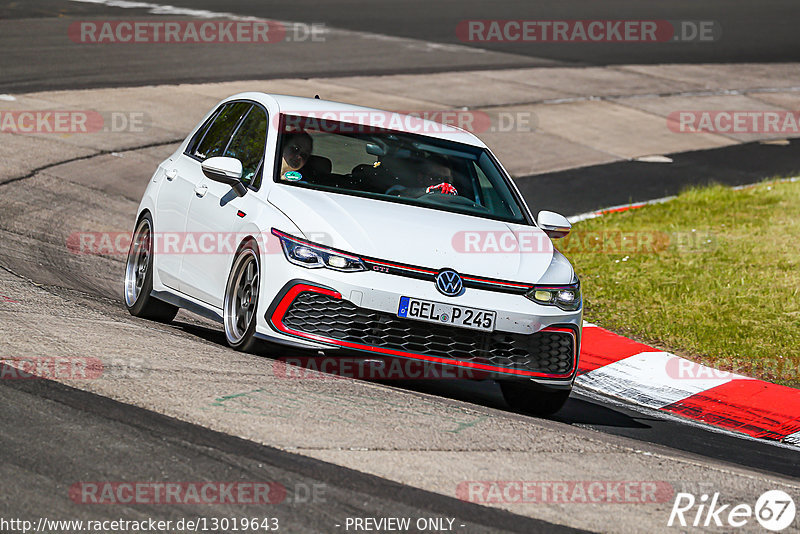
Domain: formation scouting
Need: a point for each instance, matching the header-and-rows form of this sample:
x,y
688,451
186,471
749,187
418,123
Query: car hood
x,y
415,235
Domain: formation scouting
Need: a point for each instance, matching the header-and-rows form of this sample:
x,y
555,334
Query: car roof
x,y
321,109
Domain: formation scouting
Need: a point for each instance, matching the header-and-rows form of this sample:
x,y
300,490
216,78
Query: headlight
x,y
568,297
313,256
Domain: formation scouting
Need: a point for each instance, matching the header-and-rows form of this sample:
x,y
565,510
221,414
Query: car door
x,y
216,213
172,204
183,176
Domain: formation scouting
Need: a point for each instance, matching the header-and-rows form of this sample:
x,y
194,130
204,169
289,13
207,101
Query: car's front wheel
x,y
532,398
139,277
241,299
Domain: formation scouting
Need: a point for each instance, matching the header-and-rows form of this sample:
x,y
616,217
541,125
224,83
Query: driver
x,y
434,176
297,148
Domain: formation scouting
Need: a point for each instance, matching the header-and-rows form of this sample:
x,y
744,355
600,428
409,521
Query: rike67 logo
x,y
774,510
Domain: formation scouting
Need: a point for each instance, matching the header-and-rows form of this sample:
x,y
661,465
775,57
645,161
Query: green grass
x,y
713,276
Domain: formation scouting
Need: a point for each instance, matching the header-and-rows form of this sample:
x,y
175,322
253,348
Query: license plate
x,y
446,314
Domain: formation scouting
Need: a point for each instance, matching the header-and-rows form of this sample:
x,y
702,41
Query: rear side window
x,y
212,138
248,145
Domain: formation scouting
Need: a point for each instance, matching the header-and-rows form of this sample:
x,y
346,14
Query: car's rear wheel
x,y
139,277
532,398
241,299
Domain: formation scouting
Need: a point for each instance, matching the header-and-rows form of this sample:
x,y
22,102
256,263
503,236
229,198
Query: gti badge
x,y
449,283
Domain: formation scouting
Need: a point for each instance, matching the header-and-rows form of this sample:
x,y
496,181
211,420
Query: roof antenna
x,y
316,96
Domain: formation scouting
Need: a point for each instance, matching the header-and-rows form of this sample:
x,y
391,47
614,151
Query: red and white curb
x,y
616,366
625,207
613,209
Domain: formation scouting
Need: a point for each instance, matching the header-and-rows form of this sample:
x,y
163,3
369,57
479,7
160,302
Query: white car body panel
x,y
176,185
371,228
407,234
209,214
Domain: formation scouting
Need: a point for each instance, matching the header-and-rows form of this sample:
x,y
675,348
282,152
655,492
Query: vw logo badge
x,y
449,283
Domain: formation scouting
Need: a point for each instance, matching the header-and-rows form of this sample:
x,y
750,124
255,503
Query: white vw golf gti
x,y
340,229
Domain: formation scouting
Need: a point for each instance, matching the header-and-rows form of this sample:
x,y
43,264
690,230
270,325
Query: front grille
x,y
541,352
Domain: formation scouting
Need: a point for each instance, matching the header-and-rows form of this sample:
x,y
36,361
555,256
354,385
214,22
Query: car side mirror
x,y
226,171
553,224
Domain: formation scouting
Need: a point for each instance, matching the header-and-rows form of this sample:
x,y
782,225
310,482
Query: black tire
x,y
139,277
532,398
241,299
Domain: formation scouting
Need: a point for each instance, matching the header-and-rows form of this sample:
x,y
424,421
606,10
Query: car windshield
x,y
393,166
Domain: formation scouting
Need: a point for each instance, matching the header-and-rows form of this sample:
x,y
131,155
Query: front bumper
x,y
540,347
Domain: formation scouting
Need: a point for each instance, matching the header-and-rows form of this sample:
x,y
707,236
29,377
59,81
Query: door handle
x,y
201,191
171,174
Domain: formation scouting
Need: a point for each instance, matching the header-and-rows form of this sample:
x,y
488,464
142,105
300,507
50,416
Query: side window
x,y
218,132
201,133
248,144
490,196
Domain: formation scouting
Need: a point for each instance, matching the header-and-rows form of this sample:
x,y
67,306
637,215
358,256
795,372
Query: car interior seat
x,y
317,169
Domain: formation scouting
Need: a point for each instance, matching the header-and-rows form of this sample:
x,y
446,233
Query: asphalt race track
x,y
751,32
187,452
52,434
639,182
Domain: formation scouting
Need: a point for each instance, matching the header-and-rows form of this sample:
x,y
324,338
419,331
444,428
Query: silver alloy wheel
x,y
138,262
241,296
